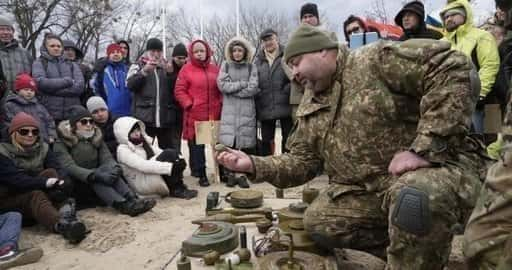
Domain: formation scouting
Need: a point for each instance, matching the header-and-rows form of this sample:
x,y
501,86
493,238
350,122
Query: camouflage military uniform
x,y
488,235
385,98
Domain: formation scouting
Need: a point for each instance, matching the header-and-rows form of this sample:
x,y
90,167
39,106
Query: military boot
x,y
134,206
69,226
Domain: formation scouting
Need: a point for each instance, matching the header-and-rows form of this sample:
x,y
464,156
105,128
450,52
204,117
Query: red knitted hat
x,y
112,48
23,81
20,120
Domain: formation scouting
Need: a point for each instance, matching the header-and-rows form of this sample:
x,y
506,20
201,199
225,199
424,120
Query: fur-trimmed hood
x,y
70,139
248,46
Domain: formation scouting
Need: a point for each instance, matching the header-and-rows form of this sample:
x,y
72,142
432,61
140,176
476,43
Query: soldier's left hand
x,y
406,161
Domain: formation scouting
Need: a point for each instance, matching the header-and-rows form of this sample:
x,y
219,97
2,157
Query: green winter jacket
x,y
81,156
471,40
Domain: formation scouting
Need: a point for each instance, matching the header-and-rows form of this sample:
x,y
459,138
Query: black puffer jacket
x,y
273,101
152,94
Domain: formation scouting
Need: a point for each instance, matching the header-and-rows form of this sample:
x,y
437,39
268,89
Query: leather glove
x,y
168,155
105,175
64,185
61,190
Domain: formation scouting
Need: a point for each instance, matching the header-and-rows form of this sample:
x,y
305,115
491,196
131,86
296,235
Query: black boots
x,y
182,192
232,180
69,226
203,181
134,206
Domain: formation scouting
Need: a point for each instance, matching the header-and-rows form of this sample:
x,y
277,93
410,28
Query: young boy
x,y
26,101
117,95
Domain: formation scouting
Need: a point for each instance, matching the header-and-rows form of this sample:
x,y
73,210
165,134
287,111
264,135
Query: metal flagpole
x,y
164,30
238,17
201,17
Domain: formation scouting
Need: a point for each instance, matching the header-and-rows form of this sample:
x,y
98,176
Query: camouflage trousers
x,y
498,257
488,235
346,216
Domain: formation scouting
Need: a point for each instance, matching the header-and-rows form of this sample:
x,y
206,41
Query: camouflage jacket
x,y
490,224
384,98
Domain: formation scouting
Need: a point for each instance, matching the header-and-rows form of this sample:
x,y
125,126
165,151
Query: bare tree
x,y
378,11
32,17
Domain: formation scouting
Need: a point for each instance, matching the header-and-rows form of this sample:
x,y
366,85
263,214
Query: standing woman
x,y
197,93
60,81
238,82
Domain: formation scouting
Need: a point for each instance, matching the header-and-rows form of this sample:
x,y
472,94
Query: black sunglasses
x,y
86,121
25,132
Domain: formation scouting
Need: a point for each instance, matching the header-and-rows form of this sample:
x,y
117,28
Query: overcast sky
x,y
335,10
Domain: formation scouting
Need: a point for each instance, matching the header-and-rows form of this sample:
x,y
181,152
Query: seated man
x,y
104,119
389,123
85,155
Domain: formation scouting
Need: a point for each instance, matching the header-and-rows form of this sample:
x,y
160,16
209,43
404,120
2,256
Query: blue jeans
x,y
478,121
10,229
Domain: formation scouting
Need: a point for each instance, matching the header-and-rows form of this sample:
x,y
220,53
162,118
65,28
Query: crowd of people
x,y
74,137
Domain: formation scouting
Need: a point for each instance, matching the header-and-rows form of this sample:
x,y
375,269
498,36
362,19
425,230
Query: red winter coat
x,y
197,93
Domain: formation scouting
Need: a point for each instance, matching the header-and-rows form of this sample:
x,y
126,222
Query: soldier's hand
x,y
406,161
235,160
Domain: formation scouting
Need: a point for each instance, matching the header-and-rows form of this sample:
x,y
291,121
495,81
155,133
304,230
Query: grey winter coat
x,y
60,83
238,82
273,101
15,104
153,98
14,60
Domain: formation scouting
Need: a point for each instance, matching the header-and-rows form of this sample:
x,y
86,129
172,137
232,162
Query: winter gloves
x,y
106,174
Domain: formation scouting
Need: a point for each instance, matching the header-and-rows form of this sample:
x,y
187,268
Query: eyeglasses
x,y
356,29
26,131
86,121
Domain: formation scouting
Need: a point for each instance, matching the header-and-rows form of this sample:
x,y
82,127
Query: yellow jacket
x,y
467,37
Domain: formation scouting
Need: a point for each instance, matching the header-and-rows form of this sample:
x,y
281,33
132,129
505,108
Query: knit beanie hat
x,y
307,39
504,4
154,44
95,103
77,112
415,7
23,81
20,120
179,50
4,21
309,8
453,11
112,48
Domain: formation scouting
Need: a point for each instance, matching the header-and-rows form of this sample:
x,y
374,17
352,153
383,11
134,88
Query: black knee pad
x,y
412,212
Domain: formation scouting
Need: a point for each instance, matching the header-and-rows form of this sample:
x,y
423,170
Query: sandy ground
x,y
145,242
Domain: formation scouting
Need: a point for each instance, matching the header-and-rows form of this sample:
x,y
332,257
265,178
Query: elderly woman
x,y
59,81
85,155
32,181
